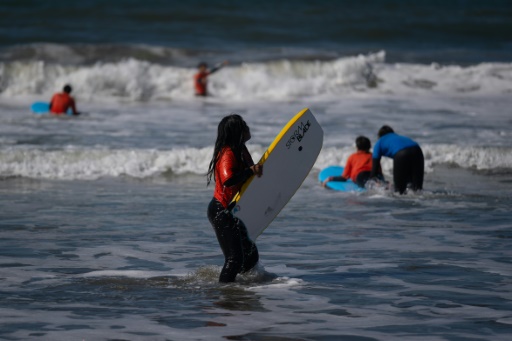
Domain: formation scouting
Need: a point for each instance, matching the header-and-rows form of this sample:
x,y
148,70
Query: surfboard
x,y
43,108
344,186
286,163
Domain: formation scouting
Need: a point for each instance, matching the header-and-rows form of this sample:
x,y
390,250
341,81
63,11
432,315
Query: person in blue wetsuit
x,y
408,161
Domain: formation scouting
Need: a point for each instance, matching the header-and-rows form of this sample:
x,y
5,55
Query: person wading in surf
x,y
408,160
201,77
62,101
230,167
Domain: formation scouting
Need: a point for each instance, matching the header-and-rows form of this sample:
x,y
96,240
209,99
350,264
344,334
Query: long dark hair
x,y
230,133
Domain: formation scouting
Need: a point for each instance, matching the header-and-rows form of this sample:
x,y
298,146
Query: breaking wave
x,y
93,163
148,79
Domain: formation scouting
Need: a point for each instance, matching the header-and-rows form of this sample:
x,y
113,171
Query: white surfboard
x,y
286,163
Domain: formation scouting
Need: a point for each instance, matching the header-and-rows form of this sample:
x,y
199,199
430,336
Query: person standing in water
x,y
62,101
201,77
230,167
408,161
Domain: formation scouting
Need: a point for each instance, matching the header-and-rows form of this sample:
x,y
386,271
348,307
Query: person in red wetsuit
x,y
359,165
231,166
201,77
62,101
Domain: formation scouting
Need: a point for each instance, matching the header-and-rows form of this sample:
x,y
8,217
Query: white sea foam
x,y
93,163
89,163
132,79
481,158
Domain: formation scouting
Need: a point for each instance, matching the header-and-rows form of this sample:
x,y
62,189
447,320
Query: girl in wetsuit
x,y
231,166
408,161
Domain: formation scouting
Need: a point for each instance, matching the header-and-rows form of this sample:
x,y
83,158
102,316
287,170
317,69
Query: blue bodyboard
x,y
344,186
43,108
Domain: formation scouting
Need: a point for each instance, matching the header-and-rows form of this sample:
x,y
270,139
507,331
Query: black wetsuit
x,y
408,161
408,168
239,250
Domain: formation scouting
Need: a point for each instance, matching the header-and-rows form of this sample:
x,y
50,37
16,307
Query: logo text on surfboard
x,y
298,134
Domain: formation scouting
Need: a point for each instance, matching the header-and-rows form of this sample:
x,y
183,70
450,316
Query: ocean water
x,y
103,228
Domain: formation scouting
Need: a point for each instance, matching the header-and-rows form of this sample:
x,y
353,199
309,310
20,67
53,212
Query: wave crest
x,y
94,163
133,79
478,158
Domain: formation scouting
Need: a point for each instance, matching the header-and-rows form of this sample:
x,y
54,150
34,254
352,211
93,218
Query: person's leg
x,y
417,169
401,171
362,178
228,236
251,255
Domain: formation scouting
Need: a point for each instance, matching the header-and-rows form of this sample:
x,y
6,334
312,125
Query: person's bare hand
x,y
326,181
257,169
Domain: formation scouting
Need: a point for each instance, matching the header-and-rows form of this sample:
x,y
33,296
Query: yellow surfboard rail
x,y
269,150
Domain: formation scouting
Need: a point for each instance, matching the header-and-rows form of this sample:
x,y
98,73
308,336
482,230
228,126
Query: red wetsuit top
x,y
358,162
61,102
230,174
200,83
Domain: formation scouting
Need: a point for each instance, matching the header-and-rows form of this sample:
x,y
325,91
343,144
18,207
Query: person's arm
x,y
376,155
73,106
244,175
51,103
380,175
239,177
217,67
376,169
229,177
334,178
